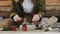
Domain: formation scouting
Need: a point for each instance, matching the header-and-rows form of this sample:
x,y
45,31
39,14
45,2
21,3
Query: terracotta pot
x,y
14,28
24,27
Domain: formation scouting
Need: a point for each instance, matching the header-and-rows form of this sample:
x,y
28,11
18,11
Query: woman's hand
x,y
17,18
36,18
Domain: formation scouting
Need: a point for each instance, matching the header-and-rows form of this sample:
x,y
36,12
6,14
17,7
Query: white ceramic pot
x,y
29,27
